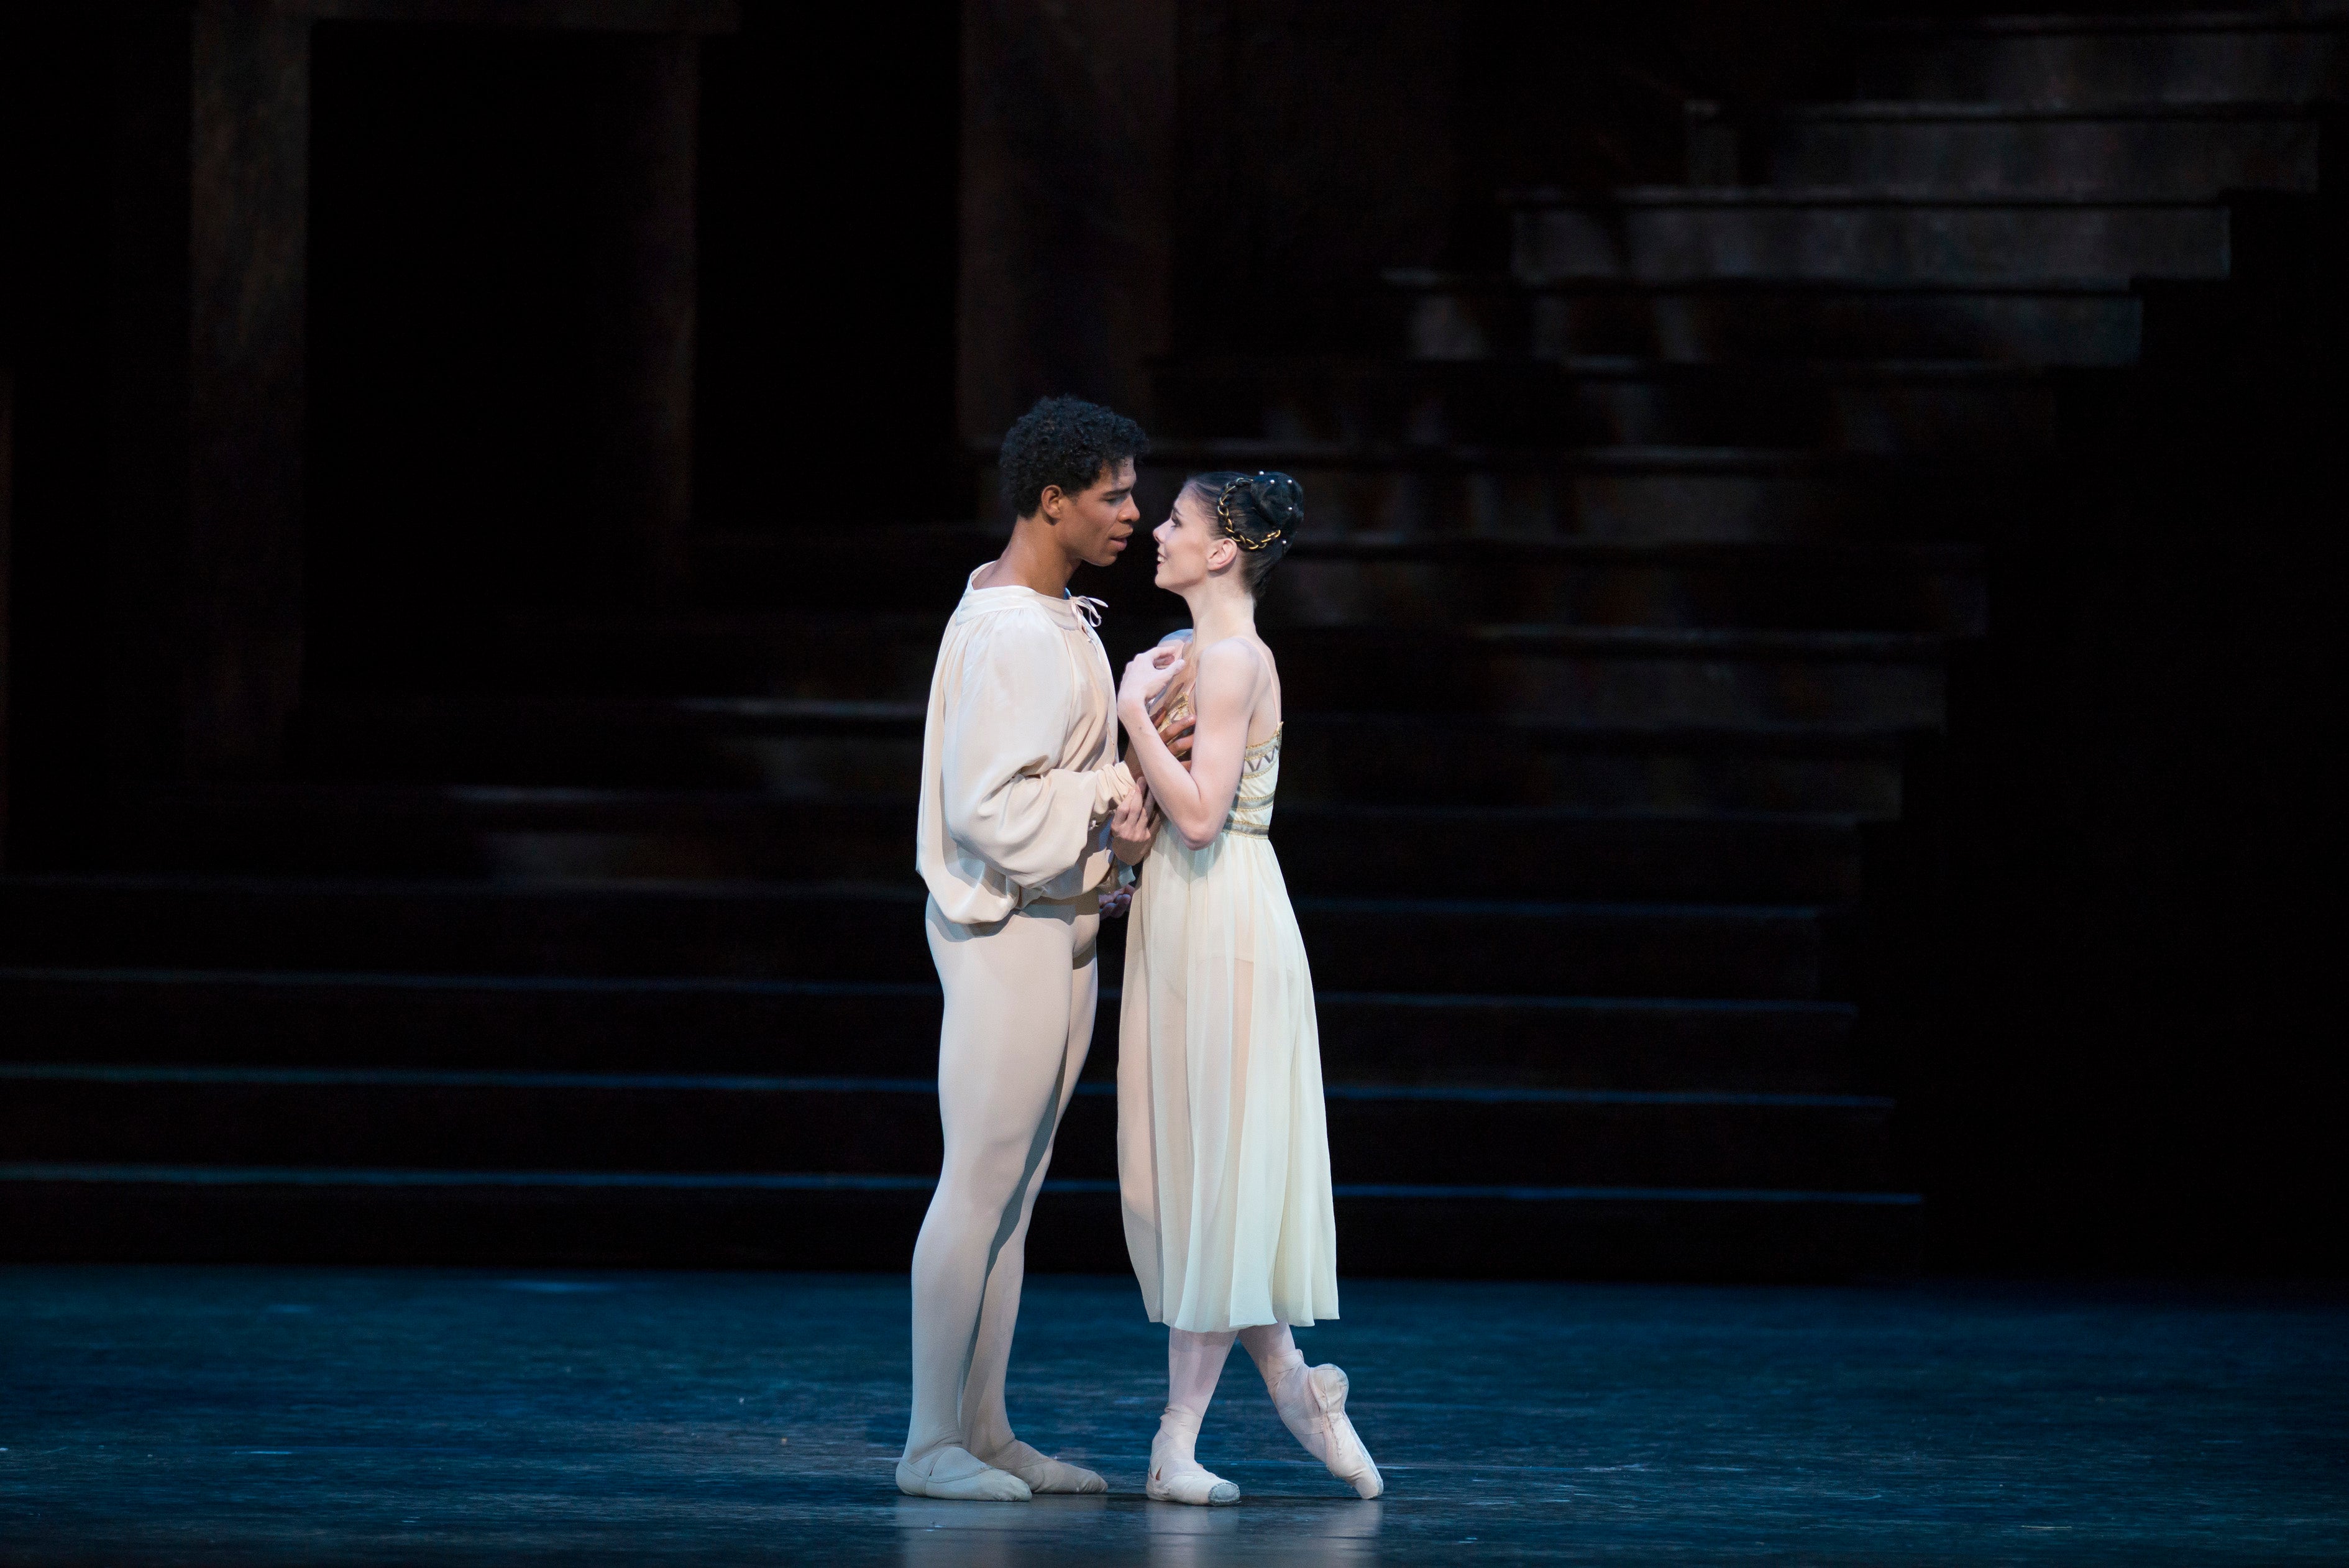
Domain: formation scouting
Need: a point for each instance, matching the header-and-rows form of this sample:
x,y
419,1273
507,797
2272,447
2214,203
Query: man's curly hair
x,y
1065,441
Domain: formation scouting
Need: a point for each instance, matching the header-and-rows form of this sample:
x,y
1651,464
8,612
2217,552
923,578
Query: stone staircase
x,y
1616,661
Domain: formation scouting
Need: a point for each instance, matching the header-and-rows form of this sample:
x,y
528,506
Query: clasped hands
x,y
1135,823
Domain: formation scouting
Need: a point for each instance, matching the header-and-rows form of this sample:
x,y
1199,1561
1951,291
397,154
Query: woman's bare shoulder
x,y
1240,661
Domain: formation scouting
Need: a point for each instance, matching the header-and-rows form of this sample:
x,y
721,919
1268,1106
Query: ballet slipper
x,y
956,1475
1175,1475
1042,1472
1312,1406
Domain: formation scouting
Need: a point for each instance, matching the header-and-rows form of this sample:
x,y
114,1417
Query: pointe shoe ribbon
x,y
957,1475
1312,1406
1175,1475
1043,1473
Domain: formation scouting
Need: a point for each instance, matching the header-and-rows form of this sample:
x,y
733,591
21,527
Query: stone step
x,y
1407,580
813,749
2275,56
873,933
574,1023
1928,406
778,744
2142,151
855,1126
1624,675
1589,674
155,1213
584,834
1368,850
905,565
1451,316
1444,759
833,655
1690,233
1648,495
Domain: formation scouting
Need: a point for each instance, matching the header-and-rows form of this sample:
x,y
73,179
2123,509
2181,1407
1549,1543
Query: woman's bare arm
x,y
1199,799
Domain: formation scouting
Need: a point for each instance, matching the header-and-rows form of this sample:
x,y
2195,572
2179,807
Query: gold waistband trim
x,y
1244,828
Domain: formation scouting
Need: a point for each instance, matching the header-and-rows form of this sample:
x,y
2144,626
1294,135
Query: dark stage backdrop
x,y
457,190
828,257
54,145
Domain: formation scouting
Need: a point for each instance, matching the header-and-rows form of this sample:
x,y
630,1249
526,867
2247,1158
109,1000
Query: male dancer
x,y
1019,773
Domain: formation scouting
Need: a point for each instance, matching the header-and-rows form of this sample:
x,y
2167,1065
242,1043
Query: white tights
x,y
1195,1362
1019,998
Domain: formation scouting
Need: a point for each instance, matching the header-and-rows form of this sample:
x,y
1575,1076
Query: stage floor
x,y
309,1417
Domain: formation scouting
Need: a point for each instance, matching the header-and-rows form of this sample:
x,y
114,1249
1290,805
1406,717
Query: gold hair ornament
x,y
1231,529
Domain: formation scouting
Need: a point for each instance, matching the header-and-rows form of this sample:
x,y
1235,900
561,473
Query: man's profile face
x,y
1097,521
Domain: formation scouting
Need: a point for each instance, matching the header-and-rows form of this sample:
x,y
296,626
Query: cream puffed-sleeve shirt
x,y
1019,768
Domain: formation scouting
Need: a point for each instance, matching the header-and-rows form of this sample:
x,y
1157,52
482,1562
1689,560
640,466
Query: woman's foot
x,y
1043,1473
957,1475
1313,1405
1175,1475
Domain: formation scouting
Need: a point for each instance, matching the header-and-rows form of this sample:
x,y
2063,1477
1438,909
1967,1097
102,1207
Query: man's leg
x,y
986,1423
1002,1059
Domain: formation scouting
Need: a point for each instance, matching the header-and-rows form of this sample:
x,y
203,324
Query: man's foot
x,y
1044,1473
957,1475
1313,1405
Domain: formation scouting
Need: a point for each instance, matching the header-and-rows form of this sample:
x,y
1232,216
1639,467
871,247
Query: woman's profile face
x,y
1184,540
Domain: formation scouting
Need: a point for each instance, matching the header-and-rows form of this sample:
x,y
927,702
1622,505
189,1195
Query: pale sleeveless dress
x,y
1223,1150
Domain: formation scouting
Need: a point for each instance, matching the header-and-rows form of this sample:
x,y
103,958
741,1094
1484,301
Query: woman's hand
x,y
1178,739
1146,675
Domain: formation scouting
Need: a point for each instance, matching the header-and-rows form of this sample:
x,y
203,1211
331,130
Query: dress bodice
x,y
1259,777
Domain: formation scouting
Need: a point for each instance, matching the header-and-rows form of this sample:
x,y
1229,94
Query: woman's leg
x,y
1273,1349
1313,1405
1194,1362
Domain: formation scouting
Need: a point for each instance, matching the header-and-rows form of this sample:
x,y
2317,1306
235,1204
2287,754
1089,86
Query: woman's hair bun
x,y
1280,499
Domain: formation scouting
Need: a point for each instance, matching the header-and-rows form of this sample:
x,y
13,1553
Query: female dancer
x,y
1223,1154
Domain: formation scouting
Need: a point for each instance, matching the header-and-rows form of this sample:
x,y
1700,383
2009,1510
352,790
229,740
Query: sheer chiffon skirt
x,y
1223,1150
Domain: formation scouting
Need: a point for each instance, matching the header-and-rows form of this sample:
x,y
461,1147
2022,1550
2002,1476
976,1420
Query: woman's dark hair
x,y
1260,513
1065,441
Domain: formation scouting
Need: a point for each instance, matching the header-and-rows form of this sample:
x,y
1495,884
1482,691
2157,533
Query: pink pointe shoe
x,y
1312,1406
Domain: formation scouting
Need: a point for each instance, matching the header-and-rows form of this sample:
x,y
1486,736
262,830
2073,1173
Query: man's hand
x,y
1134,825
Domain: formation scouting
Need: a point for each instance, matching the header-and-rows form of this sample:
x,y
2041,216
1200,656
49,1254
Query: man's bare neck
x,y
1030,561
